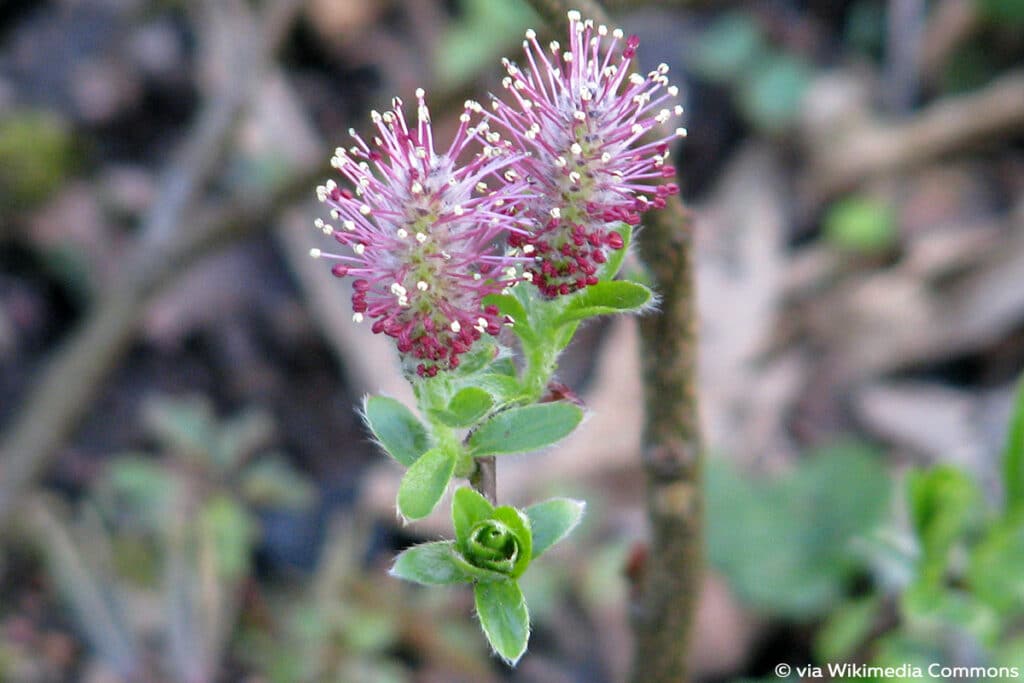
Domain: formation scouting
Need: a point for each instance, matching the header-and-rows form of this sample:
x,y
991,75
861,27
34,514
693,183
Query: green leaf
x,y
518,430
553,520
860,224
519,523
729,47
511,306
995,566
468,508
231,532
425,482
430,564
1013,454
504,618
772,92
944,504
846,629
799,527
402,435
271,482
466,407
606,297
616,256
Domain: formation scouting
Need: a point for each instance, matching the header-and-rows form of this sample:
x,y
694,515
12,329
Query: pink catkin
x,y
580,114
423,234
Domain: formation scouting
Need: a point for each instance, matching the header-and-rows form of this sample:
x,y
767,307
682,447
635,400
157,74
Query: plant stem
x,y
484,478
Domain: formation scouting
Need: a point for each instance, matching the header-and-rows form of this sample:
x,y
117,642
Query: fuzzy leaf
x,y
425,482
468,508
518,430
504,618
606,297
1013,454
553,520
429,564
466,407
401,434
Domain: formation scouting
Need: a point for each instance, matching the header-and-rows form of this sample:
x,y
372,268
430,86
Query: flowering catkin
x,y
423,233
580,114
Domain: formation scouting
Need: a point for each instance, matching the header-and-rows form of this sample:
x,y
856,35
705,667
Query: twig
x,y
62,394
484,478
668,586
946,126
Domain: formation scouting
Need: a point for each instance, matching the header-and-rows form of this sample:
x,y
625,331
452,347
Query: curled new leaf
x,y
495,540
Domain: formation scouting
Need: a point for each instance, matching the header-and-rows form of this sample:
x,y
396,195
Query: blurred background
x,y
186,492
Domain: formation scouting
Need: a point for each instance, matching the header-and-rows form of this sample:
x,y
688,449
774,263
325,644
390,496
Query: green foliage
x,y
425,482
477,38
401,435
38,155
959,580
529,428
502,611
429,564
466,408
799,527
553,520
767,83
1013,454
605,298
772,92
729,47
1002,12
860,224
186,525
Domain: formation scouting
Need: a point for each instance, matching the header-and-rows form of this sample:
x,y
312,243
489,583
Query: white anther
x,y
458,210
556,212
422,285
555,47
606,157
359,248
576,149
421,237
420,93
528,249
573,15
673,90
314,252
456,327
402,233
636,79
617,33
636,128
602,30
349,225
680,132
560,162
365,210
357,317
416,187
530,34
